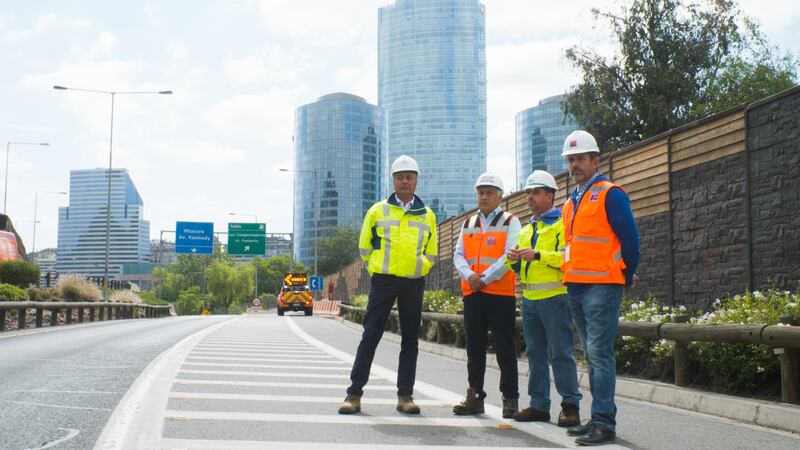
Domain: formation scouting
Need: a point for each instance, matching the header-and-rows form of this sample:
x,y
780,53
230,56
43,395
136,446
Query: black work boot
x,y
350,405
473,404
510,406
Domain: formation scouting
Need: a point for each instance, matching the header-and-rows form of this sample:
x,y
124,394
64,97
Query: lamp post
x,y
316,218
113,94
255,265
36,210
8,147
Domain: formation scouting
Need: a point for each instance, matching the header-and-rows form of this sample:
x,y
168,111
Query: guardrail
x,y
95,311
785,340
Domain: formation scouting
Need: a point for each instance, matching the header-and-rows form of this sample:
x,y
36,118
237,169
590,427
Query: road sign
x,y
316,283
256,302
247,238
195,238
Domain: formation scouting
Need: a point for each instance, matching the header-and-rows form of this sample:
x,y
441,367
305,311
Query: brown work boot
x,y
350,405
532,415
405,404
473,404
510,406
570,415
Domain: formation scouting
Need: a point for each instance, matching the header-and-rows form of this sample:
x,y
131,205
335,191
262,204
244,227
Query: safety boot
x,y
570,415
510,406
405,404
473,404
350,405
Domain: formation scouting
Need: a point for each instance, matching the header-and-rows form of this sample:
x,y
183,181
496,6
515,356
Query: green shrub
x,y
125,297
360,301
440,301
150,298
38,294
268,300
236,308
190,302
74,288
19,273
11,293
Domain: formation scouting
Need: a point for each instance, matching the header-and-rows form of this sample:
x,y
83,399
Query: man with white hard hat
x,y
546,318
488,286
398,245
600,259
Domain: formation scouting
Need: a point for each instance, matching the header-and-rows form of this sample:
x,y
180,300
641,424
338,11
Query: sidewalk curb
x,y
780,416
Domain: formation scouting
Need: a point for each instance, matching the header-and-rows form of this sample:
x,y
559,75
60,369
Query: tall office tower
x,y
82,224
339,163
432,84
541,131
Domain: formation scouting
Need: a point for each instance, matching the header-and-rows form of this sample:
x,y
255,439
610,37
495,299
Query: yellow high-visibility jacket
x,y
398,242
542,278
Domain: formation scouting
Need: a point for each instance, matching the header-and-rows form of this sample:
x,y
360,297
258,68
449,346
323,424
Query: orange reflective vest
x,y
482,248
593,254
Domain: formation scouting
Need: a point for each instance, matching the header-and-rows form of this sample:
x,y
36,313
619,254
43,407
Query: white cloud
x,y
42,25
177,50
270,64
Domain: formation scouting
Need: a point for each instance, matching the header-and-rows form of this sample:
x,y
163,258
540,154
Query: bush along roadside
x,y
750,370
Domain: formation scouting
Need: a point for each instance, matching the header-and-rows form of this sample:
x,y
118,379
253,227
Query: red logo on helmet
x,y
573,143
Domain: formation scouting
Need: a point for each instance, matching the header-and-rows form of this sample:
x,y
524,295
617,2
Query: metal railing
x,y
93,311
785,341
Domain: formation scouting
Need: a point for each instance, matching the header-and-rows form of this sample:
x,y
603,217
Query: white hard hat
x,y
404,163
489,179
540,178
579,142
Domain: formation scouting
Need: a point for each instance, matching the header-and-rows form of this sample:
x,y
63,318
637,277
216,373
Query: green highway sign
x,y
247,238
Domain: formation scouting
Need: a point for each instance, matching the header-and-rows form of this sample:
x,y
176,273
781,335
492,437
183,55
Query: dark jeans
x,y
383,291
483,312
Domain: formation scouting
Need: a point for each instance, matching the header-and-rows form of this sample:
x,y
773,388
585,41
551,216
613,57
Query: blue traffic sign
x,y
316,283
194,238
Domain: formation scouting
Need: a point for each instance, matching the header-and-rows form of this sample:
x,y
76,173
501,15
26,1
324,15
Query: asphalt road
x,y
263,381
60,386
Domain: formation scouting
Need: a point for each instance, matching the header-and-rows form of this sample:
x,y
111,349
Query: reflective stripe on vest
x,y
543,286
594,253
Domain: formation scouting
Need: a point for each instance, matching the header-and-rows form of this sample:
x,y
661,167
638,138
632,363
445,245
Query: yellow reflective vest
x,y
398,242
543,278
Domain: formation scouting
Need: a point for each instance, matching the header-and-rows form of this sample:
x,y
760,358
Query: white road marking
x,y
545,431
258,366
49,405
259,350
250,357
71,433
287,398
202,444
54,391
268,374
203,361
343,419
340,387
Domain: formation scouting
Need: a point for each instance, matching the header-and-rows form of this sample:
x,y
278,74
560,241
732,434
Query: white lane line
x,y
207,361
49,405
255,366
177,395
203,444
341,387
545,431
260,350
354,419
268,374
71,433
137,421
282,360
54,391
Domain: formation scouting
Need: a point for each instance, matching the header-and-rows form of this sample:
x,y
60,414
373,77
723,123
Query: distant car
x,y
295,298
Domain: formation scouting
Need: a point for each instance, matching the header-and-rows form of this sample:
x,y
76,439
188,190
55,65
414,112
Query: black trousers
x,y
383,291
483,312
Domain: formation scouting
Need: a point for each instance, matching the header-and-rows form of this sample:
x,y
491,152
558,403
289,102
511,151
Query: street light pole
x,y
113,94
8,147
36,210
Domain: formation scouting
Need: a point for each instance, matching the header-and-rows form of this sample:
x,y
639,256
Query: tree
x,y
338,249
19,273
676,62
229,283
168,283
190,302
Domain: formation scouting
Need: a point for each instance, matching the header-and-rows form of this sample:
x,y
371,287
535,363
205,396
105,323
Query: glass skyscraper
x,y
340,164
541,131
82,224
432,84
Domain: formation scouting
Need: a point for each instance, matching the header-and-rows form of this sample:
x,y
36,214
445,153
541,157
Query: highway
x,y
263,381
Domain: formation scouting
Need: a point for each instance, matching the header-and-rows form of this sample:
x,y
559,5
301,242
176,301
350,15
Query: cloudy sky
x,y
238,70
